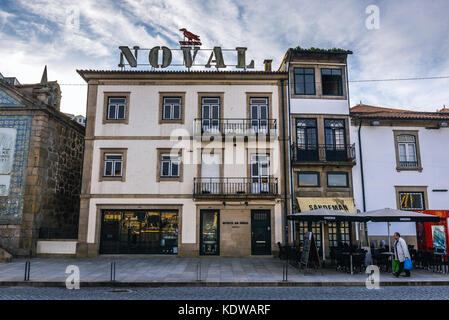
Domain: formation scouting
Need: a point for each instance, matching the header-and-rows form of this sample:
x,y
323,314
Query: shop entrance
x,y
209,232
139,232
260,232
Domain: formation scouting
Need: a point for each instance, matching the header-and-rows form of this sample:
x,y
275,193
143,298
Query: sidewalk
x,y
173,271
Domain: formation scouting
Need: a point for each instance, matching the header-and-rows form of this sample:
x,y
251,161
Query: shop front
x,y
328,234
433,236
139,232
235,231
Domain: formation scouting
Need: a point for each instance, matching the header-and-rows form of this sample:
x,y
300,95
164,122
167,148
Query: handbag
x,y
408,265
396,266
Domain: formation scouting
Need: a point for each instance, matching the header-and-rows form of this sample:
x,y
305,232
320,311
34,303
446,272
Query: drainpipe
x,y
292,191
285,166
363,178
361,165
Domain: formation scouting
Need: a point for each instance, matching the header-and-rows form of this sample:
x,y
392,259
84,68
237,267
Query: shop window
x,y
332,82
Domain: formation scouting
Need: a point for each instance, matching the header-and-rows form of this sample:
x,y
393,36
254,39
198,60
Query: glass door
x,y
334,131
210,114
260,173
306,139
259,115
210,232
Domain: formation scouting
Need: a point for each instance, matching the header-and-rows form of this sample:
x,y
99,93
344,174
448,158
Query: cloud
x,y
411,41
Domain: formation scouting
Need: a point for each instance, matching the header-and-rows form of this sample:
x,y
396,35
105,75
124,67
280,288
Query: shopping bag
x,y
396,266
408,265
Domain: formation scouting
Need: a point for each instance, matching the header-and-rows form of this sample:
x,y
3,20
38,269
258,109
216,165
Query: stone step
x,y
5,256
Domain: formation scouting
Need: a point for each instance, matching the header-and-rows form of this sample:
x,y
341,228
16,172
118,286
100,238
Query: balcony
x,y
341,153
235,127
235,188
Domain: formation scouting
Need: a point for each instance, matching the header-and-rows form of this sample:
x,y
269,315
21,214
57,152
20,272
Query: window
x,y
306,139
116,107
304,81
339,233
170,166
407,150
334,131
337,180
332,83
172,109
113,164
308,179
411,200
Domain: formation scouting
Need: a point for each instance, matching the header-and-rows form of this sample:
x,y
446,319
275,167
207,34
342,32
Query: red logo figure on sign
x,y
192,39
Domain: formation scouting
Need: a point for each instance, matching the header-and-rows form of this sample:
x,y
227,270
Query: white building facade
x,y
402,164
182,163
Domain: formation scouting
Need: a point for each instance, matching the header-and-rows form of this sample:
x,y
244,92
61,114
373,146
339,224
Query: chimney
x,y
267,64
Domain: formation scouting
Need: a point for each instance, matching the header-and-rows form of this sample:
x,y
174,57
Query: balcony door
x,y
306,139
210,173
260,173
334,131
259,115
210,115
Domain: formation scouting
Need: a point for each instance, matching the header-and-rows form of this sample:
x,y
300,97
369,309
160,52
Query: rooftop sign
x,y
186,55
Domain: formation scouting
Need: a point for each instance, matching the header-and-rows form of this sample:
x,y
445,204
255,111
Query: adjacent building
x,y
41,153
182,162
321,153
403,164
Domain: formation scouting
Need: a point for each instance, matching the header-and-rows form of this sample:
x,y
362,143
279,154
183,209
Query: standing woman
x,y
401,253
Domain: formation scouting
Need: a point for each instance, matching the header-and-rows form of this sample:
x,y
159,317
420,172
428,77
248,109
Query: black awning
x,y
326,215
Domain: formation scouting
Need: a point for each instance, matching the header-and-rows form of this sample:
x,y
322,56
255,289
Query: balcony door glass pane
x,y
259,114
210,234
210,173
260,172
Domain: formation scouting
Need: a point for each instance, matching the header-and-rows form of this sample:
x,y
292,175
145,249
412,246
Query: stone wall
x,y
53,183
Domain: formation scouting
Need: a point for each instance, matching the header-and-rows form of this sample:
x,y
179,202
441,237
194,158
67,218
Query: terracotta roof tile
x,y
367,111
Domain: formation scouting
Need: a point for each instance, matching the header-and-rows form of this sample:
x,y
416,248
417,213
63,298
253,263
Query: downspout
x,y
292,191
285,166
362,178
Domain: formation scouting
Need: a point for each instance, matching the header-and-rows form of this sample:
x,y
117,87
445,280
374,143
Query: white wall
x,y
381,176
319,106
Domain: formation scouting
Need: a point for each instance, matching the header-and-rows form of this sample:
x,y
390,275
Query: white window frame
x,y
406,145
117,106
172,108
114,164
170,159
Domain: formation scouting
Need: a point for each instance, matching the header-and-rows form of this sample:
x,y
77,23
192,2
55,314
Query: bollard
x,y
27,271
113,271
285,272
198,271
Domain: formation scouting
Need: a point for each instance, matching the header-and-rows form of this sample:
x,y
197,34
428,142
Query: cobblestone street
x,y
228,293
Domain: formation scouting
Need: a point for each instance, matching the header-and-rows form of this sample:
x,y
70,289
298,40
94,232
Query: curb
x,y
97,284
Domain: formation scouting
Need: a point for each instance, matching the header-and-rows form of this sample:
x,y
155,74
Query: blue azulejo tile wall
x,y
11,207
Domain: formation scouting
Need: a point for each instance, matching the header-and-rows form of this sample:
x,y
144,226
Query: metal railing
x,y
323,152
235,187
408,164
235,126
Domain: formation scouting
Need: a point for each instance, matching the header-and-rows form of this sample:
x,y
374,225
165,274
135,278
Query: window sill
x,y
121,179
125,121
170,179
419,169
171,121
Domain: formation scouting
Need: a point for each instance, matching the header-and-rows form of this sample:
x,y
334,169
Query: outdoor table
x,y
350,258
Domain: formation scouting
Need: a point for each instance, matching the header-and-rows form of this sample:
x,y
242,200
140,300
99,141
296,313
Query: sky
x,y
406,39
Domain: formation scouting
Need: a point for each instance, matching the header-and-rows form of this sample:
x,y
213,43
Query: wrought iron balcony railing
x,y
323,153
235,187
408,164
235,127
